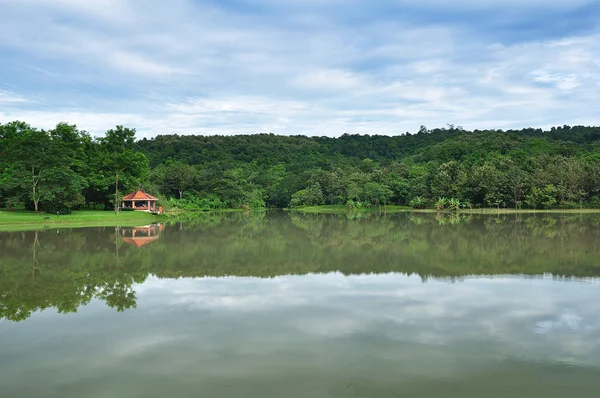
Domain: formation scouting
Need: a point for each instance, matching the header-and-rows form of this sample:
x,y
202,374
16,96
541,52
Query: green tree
x,y
175,177
545,197
311,196
485,185
448,180
42,167
121,162
377,194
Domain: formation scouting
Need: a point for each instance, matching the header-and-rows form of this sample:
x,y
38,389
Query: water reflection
x,y
141,236
291,305
317,335
66,269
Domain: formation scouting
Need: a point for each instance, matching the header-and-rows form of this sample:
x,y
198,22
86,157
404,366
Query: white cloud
x,y
563,82
195,67
504,312
7,97
253,333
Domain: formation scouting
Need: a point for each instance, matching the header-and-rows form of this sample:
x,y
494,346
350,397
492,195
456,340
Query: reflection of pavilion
x,y
140,236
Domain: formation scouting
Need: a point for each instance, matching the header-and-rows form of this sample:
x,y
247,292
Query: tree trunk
x,y
180,194
117,193
34,193
35,262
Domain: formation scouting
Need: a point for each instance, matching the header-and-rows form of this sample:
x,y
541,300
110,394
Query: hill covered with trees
x,y
533,168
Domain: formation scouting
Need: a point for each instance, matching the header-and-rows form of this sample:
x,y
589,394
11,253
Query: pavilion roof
x,y
140,241
139,195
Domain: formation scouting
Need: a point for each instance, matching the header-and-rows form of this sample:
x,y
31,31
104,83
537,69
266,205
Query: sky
x,y
312,67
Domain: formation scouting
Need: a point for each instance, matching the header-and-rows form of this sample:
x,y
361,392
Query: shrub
x,y
254,200
418,203
56,208
594,202
311,196
441,204
454,204
195,203
570,205
466,204
357,204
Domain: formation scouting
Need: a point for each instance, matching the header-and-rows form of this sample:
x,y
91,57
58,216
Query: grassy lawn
x,y
21,219
511,211
340,209
344,209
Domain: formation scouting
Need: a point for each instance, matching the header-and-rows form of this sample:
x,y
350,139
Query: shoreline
x,y
340,209
24,220
20,220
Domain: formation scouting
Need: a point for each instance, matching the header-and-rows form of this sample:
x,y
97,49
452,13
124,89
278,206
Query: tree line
x,y
450,167
65,168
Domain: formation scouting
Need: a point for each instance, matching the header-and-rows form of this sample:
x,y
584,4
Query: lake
x,y
304,305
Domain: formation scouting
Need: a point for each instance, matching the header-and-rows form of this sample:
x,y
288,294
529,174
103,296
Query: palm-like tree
x,y
441,204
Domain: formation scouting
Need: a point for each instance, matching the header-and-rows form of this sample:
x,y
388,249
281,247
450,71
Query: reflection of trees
x,y
72,267
66,274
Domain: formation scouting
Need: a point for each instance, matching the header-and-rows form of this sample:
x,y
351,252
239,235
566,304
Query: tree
x,y
545,197
568,177
517,180
120,161
449,180
42,166
30,155
377,193
174,177
311,196
485,184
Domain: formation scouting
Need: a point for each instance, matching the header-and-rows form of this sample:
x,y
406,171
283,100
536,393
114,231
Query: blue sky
x,y
314,67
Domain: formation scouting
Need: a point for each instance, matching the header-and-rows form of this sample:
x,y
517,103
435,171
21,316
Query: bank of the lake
x,y
331,209
340,209
24,220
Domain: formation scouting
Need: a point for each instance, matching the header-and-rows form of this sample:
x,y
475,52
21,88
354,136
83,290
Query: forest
x,y
66,168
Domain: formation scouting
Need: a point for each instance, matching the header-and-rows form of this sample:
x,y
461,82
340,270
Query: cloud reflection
x,y
521,318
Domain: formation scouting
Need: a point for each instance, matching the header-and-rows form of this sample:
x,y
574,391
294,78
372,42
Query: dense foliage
x,y
445,168
64,168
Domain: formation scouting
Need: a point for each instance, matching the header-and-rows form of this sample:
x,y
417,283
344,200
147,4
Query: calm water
x,y
285,305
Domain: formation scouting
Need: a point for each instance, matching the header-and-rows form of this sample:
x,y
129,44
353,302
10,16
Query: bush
x,y
594,202
454,204
195,203
311,196
254,200
570,205
441,204
418,203
466,204
357,204
55,208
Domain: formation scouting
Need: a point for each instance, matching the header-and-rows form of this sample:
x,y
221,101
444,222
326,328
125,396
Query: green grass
x,y
509,211
177,212
22,220
340,209
344,209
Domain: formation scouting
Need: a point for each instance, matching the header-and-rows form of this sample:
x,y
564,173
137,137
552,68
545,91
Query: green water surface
x,y
305,305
